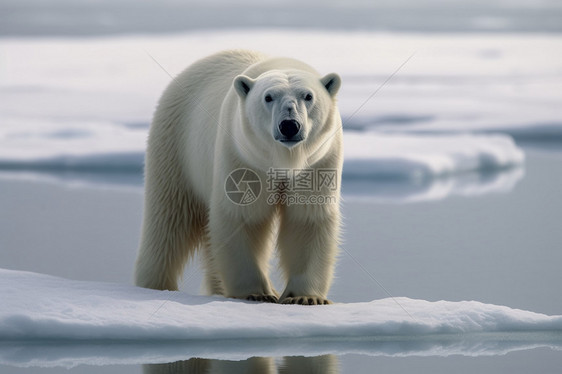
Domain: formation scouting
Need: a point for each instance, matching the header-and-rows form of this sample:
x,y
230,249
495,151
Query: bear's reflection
x,y
327,364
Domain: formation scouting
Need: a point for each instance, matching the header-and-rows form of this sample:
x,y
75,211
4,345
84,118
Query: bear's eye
x,y
308,97
268,98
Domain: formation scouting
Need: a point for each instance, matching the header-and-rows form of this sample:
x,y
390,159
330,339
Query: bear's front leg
x,y
308,245
240,251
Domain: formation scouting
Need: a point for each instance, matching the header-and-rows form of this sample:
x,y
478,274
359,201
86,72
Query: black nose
x,y
289,128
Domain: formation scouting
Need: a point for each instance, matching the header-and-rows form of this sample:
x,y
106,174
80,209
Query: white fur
x,y
207,125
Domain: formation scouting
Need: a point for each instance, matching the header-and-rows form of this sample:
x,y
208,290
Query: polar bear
x,y
243,113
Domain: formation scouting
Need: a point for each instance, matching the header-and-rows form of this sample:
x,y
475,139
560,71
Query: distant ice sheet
x,y
38,307
105,146
85,104
378,166
419,157
451,82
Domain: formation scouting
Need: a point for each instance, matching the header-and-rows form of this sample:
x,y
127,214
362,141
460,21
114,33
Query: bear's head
x,y
290,112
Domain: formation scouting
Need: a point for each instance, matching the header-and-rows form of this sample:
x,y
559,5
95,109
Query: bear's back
x,y
187,118
216,73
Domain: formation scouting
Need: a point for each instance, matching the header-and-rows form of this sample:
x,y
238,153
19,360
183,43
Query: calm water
x,y
499,248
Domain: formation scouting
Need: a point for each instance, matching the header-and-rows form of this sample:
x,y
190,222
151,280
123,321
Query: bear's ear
x,y
243,85
332,82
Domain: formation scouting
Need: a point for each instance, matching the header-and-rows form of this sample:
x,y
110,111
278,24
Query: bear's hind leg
x,y
212,283
172,230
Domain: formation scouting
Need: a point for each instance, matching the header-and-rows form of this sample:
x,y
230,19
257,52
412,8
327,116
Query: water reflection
x,y
433,189
327,364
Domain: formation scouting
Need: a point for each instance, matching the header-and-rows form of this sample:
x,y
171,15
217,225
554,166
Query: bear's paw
x,y
306,300
262,298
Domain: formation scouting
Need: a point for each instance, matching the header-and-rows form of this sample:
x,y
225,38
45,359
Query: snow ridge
x,y
49,321
43,307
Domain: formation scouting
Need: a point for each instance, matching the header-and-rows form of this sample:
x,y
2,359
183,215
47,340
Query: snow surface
x,y
37,307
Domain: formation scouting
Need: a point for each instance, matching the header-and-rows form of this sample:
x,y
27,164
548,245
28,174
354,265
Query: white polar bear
x,y
240,110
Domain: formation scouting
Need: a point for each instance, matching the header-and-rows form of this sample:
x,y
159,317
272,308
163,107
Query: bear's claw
x,y
306,300
263,298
